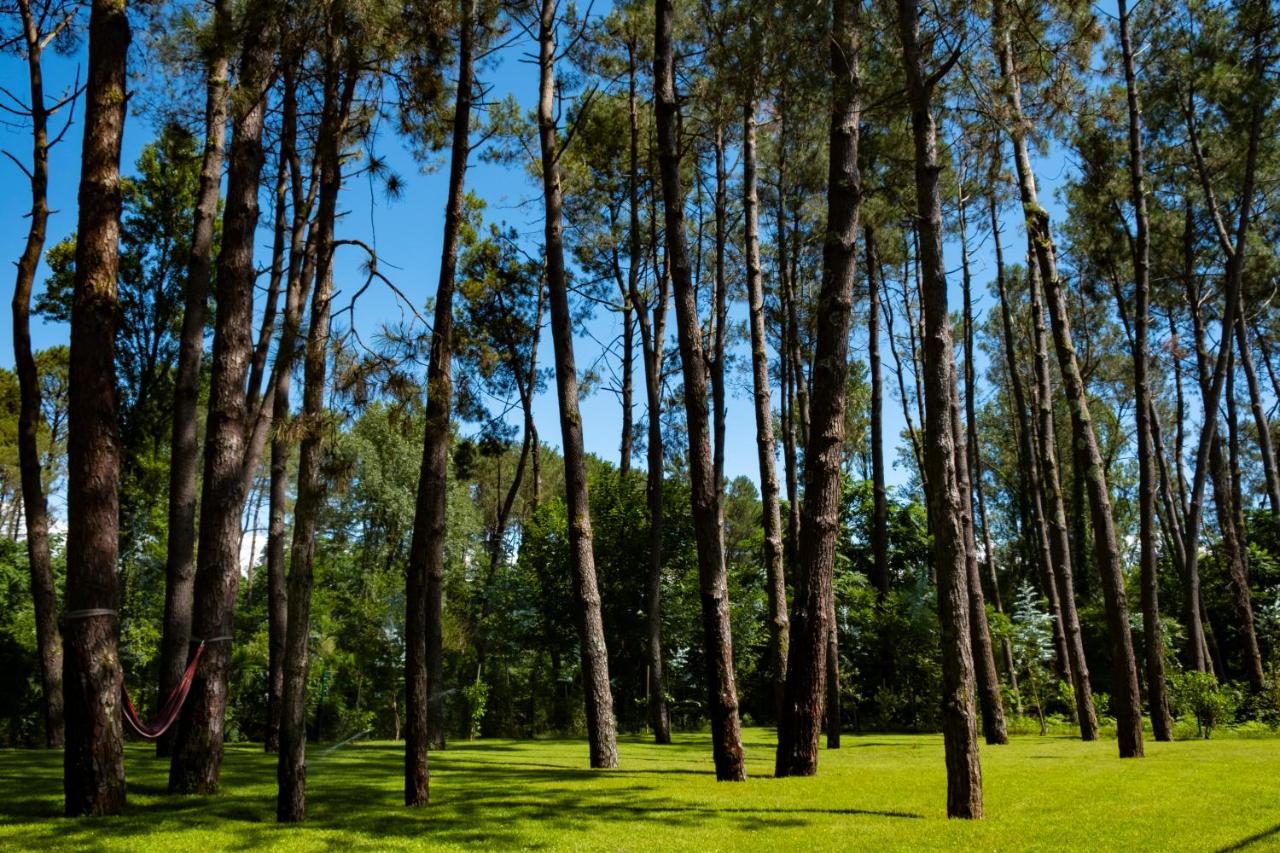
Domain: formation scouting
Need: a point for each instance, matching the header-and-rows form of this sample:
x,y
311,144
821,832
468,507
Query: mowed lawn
x,y
879,792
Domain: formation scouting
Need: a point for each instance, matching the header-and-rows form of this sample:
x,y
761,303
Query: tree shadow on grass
x,y
355,801
1256,838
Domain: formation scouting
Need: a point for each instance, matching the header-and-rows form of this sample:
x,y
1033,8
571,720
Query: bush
x,y
1200,696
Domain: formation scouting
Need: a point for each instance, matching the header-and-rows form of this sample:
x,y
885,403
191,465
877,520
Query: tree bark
x,y
35,510
197,749
1157,693
93,759
726,736
942,456
601,727
775,580
809,651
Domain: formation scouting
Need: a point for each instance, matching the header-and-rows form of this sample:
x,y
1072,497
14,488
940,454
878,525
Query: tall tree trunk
x,y
601,727
726,735
652,332
1233,247
291,769
942,456
1157,693
35,510
968,471
424,586
302,258
197,749
810,647
1126,700
93,760
880,509
1069,650
720,305
775,580
185,457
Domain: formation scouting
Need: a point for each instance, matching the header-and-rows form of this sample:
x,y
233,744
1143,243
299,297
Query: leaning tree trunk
x,y
775,581
942,457
801,723
1240,575
1157,692
987,678
424,597
726,735
93,760
601,727
35,510
197,749
1126,700
1265,447
184,449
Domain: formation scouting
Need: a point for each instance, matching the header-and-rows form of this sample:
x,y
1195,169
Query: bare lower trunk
x,y
726,736
197,749
942,457
35,510
810,648
601,727
93,760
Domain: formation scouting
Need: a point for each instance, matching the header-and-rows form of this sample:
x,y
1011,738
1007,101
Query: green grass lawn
x,y
878,792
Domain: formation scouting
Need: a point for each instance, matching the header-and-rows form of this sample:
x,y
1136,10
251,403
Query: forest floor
x,y
878,792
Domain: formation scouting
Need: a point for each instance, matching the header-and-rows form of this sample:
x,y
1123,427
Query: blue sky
x,y
407,233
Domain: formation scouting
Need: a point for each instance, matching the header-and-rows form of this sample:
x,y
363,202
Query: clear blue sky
x,y
407,232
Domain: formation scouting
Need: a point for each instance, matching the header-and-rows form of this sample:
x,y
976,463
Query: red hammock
x,y
169,710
